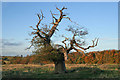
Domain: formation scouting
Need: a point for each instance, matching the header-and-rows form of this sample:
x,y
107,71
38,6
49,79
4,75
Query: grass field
x,y
74,71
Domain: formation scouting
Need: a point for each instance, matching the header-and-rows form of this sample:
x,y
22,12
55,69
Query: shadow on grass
x,y
83,73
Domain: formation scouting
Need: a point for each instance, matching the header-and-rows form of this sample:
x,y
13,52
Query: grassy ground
x,y
75,71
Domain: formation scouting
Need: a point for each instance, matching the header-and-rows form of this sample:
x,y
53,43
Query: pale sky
x,y
99,18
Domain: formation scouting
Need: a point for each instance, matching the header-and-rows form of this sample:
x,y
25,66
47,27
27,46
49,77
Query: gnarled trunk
x,y
60,64
60,67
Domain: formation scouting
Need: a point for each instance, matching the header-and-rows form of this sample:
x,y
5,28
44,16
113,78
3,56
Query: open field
x,y
74,71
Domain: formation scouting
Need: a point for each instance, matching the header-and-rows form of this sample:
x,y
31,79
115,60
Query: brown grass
x,y
47,71
68,66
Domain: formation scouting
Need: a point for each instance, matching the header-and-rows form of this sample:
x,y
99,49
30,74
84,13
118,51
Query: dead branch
x,y
53,17
33,28
64,8
80,51
67,18
64,42
88,46
40,19
32,42
57,8
57,21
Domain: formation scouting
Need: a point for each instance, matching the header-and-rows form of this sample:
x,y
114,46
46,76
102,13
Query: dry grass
x,y
68,66
23,66
74,71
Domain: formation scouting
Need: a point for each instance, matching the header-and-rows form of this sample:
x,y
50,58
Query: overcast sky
x,y
100,19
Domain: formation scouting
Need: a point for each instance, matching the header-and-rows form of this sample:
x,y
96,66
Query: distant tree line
x,y
98,57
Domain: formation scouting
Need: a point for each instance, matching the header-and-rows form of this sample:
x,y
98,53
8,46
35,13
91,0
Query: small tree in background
x,y
56,52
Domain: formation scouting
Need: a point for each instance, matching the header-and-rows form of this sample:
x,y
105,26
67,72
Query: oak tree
x,y
56,52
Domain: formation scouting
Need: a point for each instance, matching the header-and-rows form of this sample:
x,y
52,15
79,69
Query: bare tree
x,y
76,43
42,40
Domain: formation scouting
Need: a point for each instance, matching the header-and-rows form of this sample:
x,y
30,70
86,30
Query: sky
x,y
99,18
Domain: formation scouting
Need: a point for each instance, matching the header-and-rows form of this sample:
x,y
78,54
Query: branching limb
x,y
53,17
32,42
57,8
80,51
43,33
33,28
94,44
68,18
40,19
32,33
64,8
71,44
38,31
57,21
64,42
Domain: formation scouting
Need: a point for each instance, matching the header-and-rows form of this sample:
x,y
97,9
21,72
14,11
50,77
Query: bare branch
x,y
69,49
32,42
57,9
33,28
38,30
71,44
40,19
53,17
33,33
55,14
80,51
96,42
57,21
63,8
42,14
39,34
43,33
64,42
68,18
39,16
88,46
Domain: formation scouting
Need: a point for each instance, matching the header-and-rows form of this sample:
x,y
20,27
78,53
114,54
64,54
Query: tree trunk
x,y
60,67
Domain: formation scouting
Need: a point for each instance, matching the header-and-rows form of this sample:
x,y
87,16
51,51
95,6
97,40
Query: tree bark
x,y
60,67
60,64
